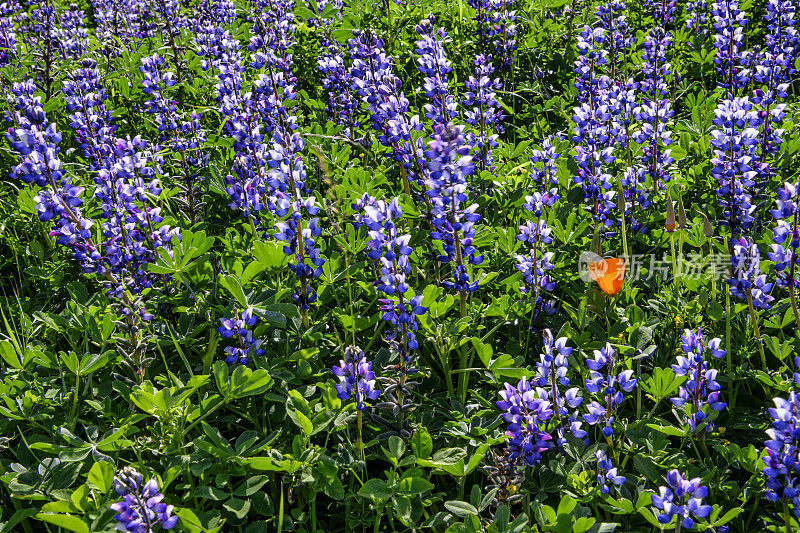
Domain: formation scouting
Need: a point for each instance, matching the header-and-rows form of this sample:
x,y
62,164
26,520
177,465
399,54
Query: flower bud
x,y
670,224
681,215
708,231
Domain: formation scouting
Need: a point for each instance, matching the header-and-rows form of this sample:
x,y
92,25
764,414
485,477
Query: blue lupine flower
x,y
239,329
483,110
182,135
663,10
278,181
36,142
655,111
341,105
527,414
391,251
607,473
125,176
786,235
697,20
620,39
734,143
783,452
608,387
72,34
141,509
701,390
356,377
432,62
548,158
8,37
551,376
449,164
535,265
597,129
381,91
729,22
682,498
747,277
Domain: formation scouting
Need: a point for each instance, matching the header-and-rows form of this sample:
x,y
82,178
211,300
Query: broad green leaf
x,y
375,489
66,521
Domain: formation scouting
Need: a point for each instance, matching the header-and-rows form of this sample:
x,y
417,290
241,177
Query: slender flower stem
x,y
728,355
280,510
360,441
792,295
756,329
787,519
675,273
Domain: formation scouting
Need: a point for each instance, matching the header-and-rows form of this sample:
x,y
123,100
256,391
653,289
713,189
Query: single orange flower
x,y
609,274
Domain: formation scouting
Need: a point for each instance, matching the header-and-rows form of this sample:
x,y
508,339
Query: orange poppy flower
x,y
609,274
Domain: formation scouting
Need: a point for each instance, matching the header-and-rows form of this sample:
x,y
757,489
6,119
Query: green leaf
x,y
483,350
476,458
375,489
447,456
66,521
298,416
211,493
668,430
396,446
566,505
414,485
402,508
92,363
730,515
100,476
238,507
421,443
645,465
233,285
305,353
18,517
190,521
460,509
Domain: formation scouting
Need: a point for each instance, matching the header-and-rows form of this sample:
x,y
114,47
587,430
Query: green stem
x,y
728,354
202,417
675,273
314,514
463,377
787,519
348,506
74,416
280,510
377,524
703,448
713,272
360,442
756,329
793,296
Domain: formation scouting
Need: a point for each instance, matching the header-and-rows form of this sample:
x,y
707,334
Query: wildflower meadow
x,y
456,266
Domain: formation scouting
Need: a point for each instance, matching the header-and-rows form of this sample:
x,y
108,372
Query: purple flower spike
x,y
682,498
608,388
700,393
141,509
356,376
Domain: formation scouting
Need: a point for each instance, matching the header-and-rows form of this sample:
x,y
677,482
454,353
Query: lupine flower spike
x,y
142,509
682,498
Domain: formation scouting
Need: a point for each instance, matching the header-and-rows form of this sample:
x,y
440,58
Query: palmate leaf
x,y
184,250
241,382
